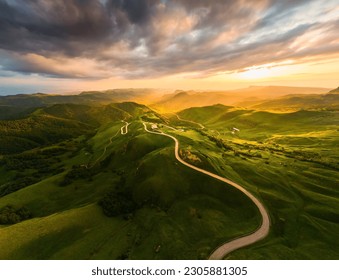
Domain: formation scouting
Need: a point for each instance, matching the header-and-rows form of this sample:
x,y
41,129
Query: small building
x,y
154,126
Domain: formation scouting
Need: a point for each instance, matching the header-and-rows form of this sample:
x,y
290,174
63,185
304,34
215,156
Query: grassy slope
x,y
301,196
56,123
186,213
79,233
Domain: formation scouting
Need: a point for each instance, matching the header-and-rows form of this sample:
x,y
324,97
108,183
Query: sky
x,y
73,45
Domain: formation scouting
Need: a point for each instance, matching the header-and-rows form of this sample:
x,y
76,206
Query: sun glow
x,y
268,71
254,73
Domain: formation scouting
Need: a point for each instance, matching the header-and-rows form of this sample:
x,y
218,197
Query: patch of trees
x,y
41,160
18,184
117,203
76,146
30,167
13,145
36,131
152,118
312,157
79,172
219,142
105,162
54,151
244,149
12,215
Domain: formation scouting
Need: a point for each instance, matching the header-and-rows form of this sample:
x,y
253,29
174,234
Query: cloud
x,y
149,38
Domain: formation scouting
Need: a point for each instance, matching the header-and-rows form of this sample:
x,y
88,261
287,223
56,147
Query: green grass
x,y
79,233
296,176
287,160
159,184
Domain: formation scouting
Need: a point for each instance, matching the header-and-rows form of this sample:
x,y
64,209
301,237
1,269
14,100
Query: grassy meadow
x,y
290,162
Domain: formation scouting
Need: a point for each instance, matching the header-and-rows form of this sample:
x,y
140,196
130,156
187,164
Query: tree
x,y
116,203
10,215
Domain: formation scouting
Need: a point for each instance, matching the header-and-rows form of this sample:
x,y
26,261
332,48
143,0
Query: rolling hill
x,y
168,201
292,161
74,186
328,101
60,122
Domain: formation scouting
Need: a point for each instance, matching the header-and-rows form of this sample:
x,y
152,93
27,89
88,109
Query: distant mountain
x,y
276,91
182,100
15,106
243,97
329,101
22,105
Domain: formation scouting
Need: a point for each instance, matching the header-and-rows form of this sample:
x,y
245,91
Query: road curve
x,y
124,129
181,119
235,244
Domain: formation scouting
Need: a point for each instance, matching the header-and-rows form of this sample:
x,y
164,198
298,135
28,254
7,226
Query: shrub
x,y
116,203
10,215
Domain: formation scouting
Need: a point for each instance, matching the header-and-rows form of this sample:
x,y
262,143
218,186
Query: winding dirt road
x,y
235,244
124,129
181,119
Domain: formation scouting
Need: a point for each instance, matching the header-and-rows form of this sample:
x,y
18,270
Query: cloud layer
x,y
148,38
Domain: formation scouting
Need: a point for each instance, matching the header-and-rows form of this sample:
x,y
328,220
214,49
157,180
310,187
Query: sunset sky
x,y
70,45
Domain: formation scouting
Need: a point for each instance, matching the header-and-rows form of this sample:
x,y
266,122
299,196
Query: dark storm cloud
x,y
140,38
40,26
137,11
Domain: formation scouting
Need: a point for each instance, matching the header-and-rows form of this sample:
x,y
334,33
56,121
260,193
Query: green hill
x,y
255,124
178,213
34,131
292,160
75,187
60,122
93,115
